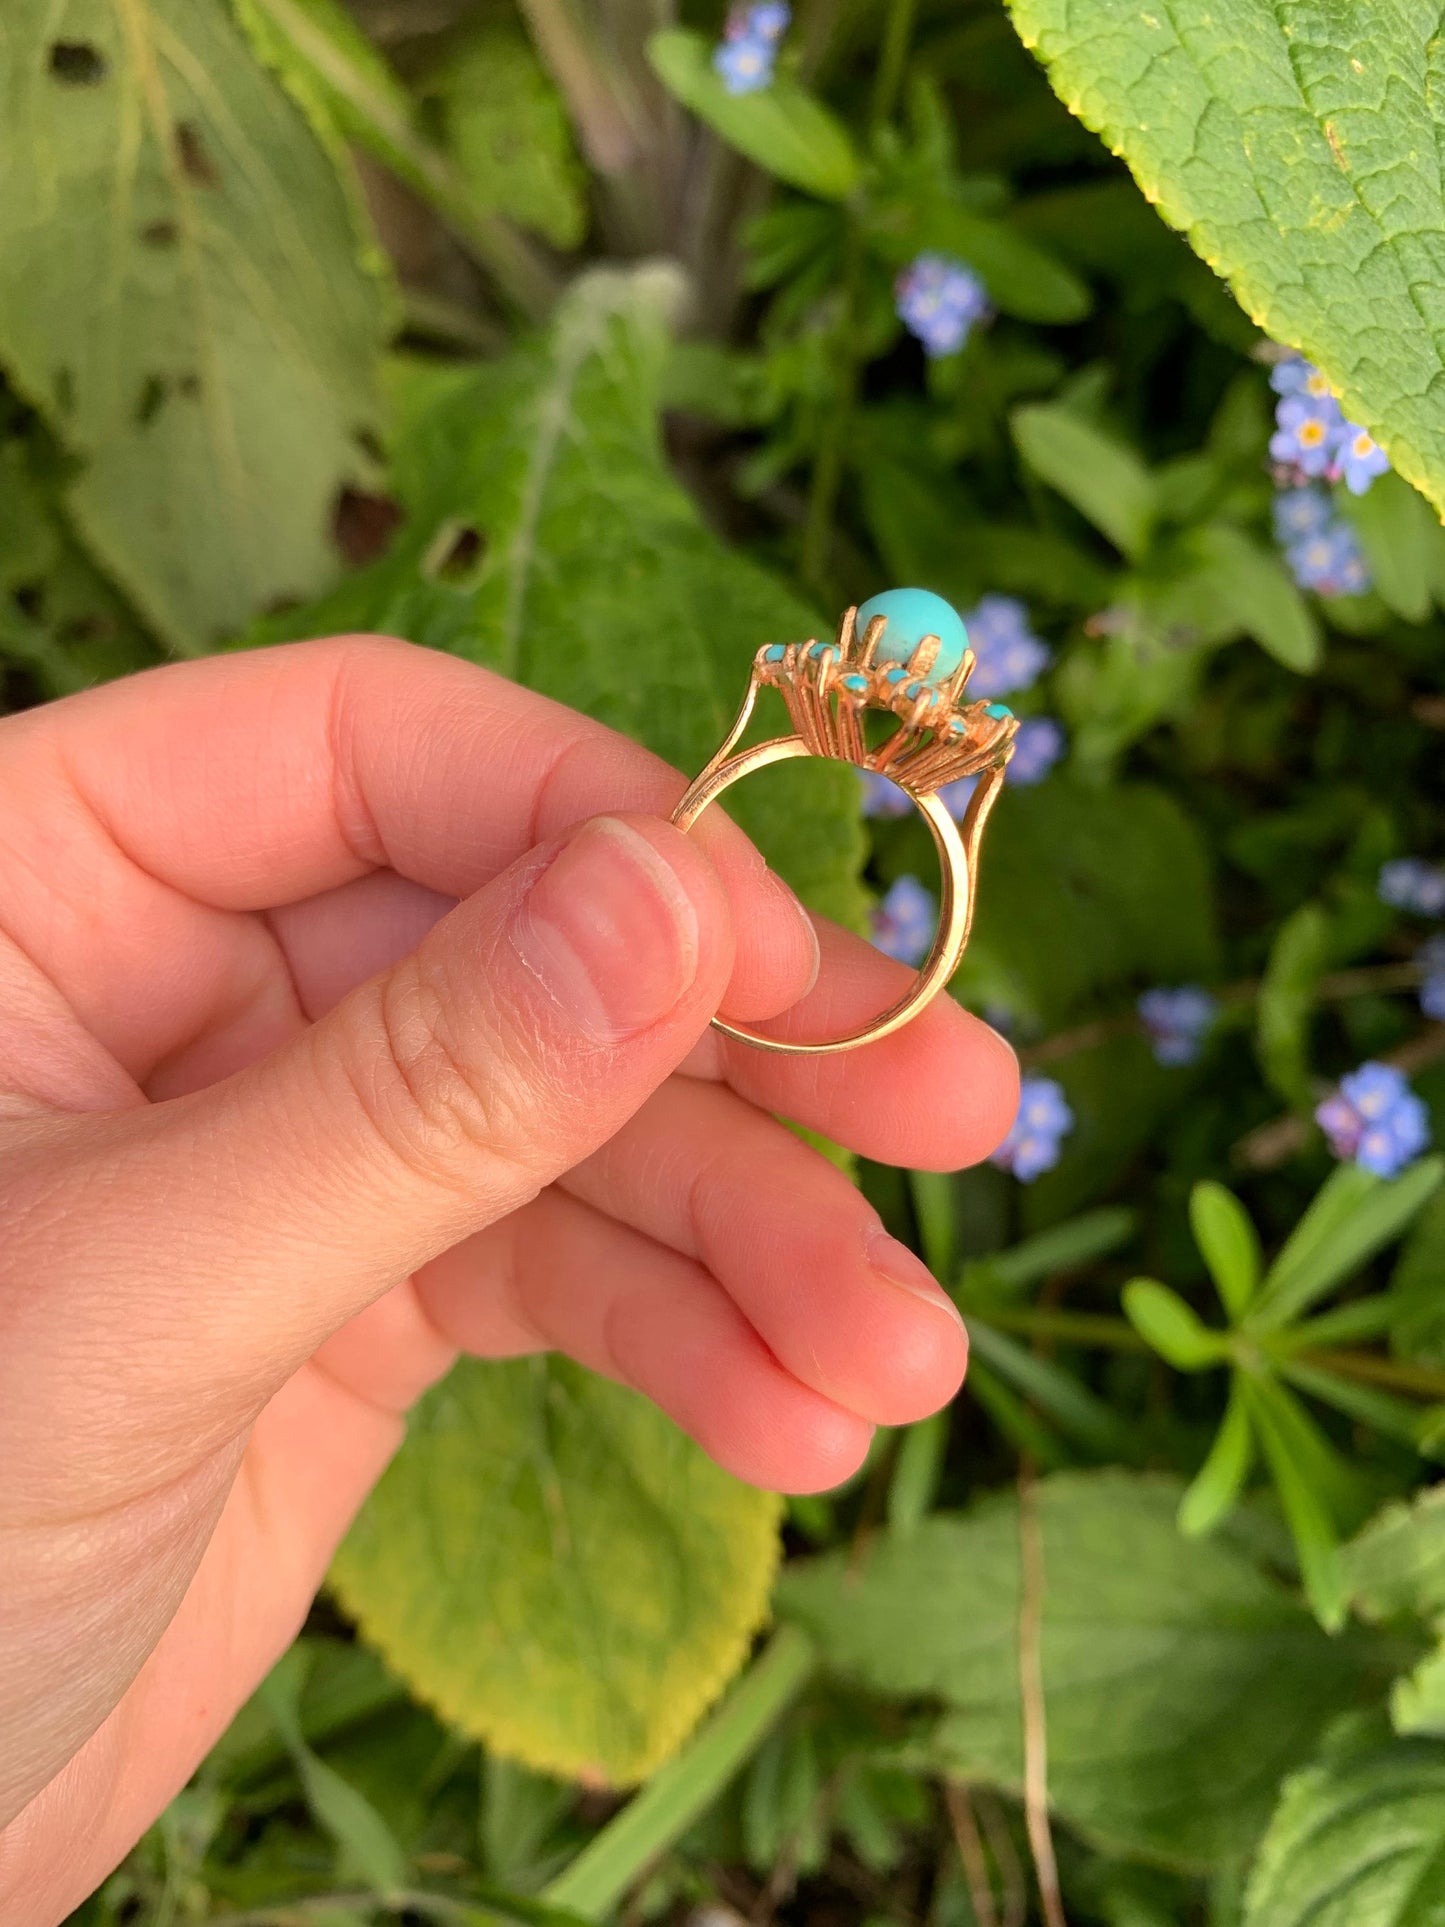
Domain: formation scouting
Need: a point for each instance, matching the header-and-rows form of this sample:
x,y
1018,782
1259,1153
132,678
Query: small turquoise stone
x,y
775,652
998,709
858,684
912,614
896,675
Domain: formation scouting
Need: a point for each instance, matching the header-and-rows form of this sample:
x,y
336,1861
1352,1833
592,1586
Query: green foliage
x,y
1355,1841
623,1574
222,390
1179,1680
1261,135
782,128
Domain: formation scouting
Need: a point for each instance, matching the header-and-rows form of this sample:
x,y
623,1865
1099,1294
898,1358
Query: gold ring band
x,y
826,687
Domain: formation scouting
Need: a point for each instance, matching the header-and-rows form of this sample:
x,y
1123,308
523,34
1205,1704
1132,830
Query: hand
x,y
335,1039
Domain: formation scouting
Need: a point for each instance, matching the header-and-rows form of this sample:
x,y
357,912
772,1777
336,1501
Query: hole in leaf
x,y
194,157
363,525
160,234
455,554
149,401
75,63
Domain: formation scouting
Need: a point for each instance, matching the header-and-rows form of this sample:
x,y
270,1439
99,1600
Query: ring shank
x,y
955,905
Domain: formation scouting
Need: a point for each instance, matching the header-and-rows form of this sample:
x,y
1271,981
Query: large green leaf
x,y
1179,1681
1296,143
1358,1839
182,296
547,538
555,1568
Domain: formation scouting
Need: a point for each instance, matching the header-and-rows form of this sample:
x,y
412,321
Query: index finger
x,y
250,781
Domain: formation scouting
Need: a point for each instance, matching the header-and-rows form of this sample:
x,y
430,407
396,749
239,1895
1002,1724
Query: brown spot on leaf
x,y
1335,147
75,63
455,554
363,525
160,234
194,157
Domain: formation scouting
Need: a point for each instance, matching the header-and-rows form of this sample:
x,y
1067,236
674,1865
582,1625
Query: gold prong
x,y
848,631
924,656
953,688
871,638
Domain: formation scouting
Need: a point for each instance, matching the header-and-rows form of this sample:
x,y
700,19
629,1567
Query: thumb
x,y
242,1225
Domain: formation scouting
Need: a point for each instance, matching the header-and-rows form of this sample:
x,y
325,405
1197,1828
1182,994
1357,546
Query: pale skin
x,y
337,1037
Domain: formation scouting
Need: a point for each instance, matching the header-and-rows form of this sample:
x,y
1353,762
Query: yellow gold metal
x,y
939,739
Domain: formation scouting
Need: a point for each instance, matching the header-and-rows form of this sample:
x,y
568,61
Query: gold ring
x,y
912,660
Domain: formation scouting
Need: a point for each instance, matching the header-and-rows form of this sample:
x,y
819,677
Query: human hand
x,y
334,1040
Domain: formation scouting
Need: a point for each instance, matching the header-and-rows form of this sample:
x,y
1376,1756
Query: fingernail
x,y
611,932
786,892
900,1267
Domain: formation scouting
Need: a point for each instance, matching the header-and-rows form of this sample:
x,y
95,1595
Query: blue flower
x,y
1037,747
1330,563
882,797
1375,1120
1043,1121
1357,456
1008,655
1306,429
1432,991
768,21
903,922
957,795
939,300
1296,376
744,62
1177,1021
1300,513
1410,883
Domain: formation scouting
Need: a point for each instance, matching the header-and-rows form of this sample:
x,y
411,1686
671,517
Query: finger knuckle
x,y
440,1091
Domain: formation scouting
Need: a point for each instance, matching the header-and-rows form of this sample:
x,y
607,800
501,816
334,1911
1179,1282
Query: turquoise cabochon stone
x,y
912,614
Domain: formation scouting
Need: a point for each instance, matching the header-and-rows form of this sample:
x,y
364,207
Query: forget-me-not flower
x,y
1177,1021
1008,656
1410,883
1042,1123
1375,1120
940,299
903,923
1037,747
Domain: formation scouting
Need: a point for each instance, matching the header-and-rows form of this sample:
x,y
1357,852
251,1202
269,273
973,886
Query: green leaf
x,y
1061,1248
1399,536
1417,1323
1105,480
1395,1417
1353,1216
506,129
191,316
555,1568
782,128
1074,1409
346,86
1260,594
365,1840
1259,128
1179,1681
1228,1243
913,1487
1417,1701
1396,1564
1296,1453
1298,958
614,598
1356,1840
1215,1489
1174,1329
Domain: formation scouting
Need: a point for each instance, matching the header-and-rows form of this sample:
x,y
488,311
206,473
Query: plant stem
x,y
1368,980
892,60
673,1798
828,468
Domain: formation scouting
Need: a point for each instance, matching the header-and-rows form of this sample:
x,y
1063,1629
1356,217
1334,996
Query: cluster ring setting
x,y
905,653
